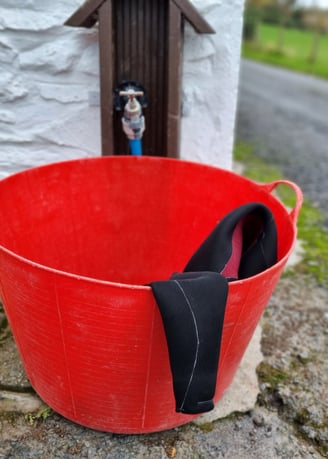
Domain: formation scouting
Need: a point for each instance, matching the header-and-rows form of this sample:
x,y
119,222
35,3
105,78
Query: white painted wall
x,y
49,85
211,72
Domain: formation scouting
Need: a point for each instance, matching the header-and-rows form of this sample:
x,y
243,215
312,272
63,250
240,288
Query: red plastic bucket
x,y
78,241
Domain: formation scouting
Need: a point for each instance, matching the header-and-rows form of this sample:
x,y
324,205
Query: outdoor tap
x,y
133,121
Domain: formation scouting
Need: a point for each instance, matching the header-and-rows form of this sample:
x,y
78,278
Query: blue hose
x,y
135,147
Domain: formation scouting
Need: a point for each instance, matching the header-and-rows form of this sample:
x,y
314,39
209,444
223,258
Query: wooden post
x,y
86,15
192,15
174,80
141,40
106,77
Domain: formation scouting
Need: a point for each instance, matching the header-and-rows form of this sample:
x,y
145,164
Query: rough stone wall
x,y
49,85
210,81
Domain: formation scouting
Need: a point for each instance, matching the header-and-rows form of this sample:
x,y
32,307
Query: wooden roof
x,y
87,15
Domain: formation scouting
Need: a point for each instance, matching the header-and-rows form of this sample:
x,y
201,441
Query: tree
x,y
253,18
318,25
286,8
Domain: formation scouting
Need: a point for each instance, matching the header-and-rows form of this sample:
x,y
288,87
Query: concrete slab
x,y
242,394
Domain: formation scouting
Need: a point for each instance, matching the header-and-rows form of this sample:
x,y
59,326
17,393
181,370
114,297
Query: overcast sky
x,y
321,3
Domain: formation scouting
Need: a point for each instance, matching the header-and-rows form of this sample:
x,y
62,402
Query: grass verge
x,y
294,53
311,231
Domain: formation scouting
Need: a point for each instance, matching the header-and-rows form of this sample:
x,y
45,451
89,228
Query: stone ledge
x,y
13,402
242,394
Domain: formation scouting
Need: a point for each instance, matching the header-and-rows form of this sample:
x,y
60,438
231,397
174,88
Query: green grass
x,y
311,232
271,375
295,52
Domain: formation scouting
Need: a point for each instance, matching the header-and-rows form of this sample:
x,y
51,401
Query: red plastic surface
x,y
78,242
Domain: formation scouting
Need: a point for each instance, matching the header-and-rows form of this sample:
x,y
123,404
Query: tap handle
x,y
132,95
129,91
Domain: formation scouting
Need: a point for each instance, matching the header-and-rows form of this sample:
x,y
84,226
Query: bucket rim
x,y
265,187
127,286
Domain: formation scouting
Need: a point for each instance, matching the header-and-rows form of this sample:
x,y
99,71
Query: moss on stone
x,y
206,427
271,375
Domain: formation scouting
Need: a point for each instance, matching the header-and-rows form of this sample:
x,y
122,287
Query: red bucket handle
x,y
269,187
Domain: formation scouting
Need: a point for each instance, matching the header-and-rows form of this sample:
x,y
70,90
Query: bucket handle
x,y
269,187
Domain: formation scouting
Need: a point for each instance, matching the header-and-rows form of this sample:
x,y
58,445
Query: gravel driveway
x,y
284,115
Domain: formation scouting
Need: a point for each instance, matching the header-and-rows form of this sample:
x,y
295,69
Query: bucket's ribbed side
x,y
85,343
32,308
